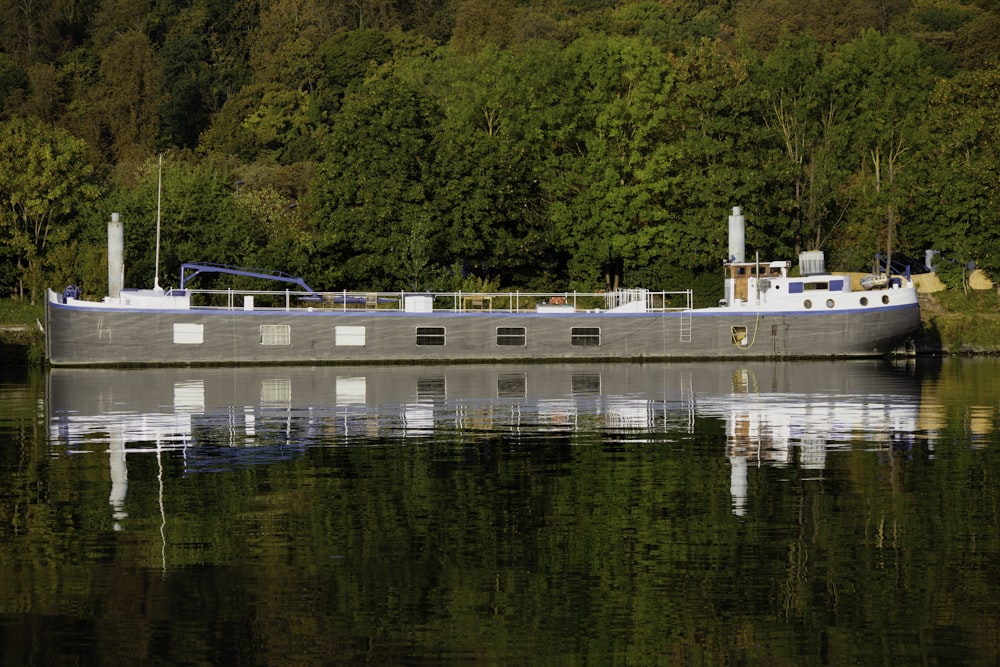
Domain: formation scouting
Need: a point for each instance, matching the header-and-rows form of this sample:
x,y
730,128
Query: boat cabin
x,y
743,279
769,284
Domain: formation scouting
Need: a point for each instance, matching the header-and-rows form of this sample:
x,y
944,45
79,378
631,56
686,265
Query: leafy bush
x,y
969,302
952,275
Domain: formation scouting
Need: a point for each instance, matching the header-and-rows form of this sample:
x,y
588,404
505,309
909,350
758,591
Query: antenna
x,y
156,261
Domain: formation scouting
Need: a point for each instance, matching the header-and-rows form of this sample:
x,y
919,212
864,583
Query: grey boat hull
x,y
114,336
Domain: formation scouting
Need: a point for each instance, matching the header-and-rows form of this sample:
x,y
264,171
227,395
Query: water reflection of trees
x,y
485,539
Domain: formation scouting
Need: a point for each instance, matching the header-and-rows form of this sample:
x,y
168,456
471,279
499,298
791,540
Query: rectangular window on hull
x,y
586,336
511,336
430,335
188,334
275,334
350,336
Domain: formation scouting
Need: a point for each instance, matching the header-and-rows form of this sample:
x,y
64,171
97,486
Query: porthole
x,y
885,299
829,303
864,301
808,303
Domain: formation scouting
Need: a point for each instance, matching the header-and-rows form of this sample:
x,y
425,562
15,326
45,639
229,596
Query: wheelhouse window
x,y
430,335
585,336
275,334
511,336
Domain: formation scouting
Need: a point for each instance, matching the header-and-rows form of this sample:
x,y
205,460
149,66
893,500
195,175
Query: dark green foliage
x,y
956,193
348,56
188,78
577,144
200,222
370,200
44,187
13,84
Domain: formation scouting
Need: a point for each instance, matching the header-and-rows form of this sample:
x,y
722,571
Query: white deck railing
x,y
631,300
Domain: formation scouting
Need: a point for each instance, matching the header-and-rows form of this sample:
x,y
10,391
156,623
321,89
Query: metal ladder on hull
x,y
686,326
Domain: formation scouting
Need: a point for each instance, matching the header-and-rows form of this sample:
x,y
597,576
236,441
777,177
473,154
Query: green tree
x,y
275,117
794,108
829,22
486,151
610,165
957,189
674,27
132,95
189,80
281,227
371,14
479,23
13,85
876,89
39,199
349,56
723,159
200,220
956,34
370,201
83,113
29,29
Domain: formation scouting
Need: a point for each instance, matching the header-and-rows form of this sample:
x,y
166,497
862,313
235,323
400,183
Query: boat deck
x,y
631,300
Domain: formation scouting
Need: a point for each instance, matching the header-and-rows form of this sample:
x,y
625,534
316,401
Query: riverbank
x,y
957,323
954,323
21,345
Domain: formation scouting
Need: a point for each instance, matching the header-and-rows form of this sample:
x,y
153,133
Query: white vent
x,y
811,263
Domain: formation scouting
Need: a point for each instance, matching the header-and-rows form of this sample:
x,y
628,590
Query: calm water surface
x,y
799,513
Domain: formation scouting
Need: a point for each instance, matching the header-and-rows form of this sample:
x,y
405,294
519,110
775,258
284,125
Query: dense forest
x,y
571,144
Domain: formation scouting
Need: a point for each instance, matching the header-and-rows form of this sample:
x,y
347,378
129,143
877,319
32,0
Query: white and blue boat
x,y
767,311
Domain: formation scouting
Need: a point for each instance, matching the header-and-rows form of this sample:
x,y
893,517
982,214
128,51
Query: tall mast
x,y
159,190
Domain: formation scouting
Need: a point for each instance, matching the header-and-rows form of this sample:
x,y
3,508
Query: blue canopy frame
x,y
191,269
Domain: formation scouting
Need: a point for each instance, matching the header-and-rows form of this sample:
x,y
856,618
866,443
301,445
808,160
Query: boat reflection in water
x,y
775,414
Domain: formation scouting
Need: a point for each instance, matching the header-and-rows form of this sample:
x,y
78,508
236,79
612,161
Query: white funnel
x,y
736,236
116,256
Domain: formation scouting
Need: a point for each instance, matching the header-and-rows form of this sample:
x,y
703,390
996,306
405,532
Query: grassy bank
x,y
21,341
957,322
954,323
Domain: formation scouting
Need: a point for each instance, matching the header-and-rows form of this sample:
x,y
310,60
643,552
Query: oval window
x,y
829,303
864,301
808,303
885,299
